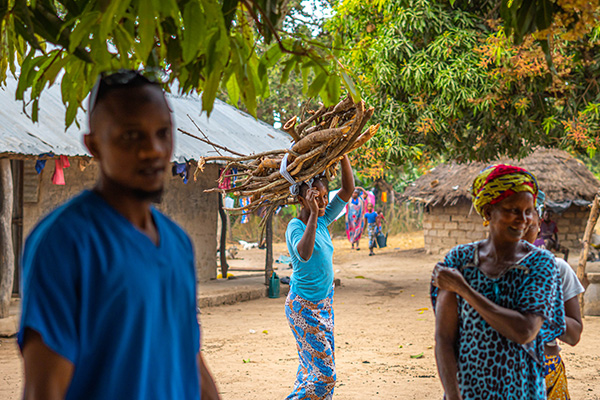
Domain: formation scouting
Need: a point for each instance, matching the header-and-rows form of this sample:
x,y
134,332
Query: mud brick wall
x,y
446,227
187,204
571,226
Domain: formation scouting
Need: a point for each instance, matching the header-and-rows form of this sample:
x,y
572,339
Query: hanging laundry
x,y
229,202
58,178
40,164
65,161
226,182
197,171
84,163
181,169
244,201
234,171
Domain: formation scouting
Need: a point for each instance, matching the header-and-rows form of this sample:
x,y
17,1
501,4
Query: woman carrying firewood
x,y
309,305
497,301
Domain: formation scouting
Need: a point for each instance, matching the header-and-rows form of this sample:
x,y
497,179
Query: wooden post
x,y
269,256
223,241
589,229
7,256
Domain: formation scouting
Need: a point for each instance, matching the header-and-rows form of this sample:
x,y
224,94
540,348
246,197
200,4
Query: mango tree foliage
x,y
543,19
288,98
202,45
447,81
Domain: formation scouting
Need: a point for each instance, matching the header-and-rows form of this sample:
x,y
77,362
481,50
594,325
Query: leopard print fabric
x,y
490,366
312,326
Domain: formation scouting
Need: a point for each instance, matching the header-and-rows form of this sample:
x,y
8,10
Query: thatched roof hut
x,y
450,220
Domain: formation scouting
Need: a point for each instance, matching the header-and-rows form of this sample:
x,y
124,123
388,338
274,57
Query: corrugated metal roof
x,y
227,126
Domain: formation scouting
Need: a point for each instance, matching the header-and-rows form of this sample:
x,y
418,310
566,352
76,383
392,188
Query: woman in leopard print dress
x,y
497,301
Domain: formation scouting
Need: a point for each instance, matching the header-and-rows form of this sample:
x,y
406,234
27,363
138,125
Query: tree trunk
x,y
223,240
269,256
7,256
589,229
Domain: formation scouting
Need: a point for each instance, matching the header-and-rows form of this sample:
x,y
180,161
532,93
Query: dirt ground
x,y
384,334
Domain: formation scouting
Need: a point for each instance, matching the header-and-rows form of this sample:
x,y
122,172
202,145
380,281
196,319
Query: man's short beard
x,y
154,196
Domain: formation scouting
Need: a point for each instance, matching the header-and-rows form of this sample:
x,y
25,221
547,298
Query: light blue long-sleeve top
x,y
312,279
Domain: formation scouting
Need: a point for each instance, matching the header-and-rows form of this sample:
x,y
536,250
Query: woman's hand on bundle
x,y
449,279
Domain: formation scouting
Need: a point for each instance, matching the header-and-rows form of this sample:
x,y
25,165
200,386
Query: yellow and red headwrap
x,y
498,182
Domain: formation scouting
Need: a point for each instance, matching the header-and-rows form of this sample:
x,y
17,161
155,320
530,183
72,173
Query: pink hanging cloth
x,y
58,178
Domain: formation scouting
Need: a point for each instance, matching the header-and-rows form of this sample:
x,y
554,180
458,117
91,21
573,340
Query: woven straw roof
x,y
561,177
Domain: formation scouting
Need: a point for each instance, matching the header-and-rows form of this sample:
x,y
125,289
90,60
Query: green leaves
x,y
146,29
350,86
82,30
317,84
204,45
440,78
195,24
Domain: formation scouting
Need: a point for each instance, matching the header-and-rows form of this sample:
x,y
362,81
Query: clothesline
x,y
61,162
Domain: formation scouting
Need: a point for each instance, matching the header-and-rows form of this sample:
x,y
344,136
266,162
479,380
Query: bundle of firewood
x,y
319,144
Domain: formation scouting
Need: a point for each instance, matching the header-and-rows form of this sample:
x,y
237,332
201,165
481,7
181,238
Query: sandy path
x,y
374,317
381,322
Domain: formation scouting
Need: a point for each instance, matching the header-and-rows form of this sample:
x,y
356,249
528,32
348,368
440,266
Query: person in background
x,y
380,220
554,371
355,212
371,223
497,301
109,287
368,197
549,232
309,304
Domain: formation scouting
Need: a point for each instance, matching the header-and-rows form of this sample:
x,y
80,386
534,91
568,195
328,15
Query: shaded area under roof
x,y
227,126
562,177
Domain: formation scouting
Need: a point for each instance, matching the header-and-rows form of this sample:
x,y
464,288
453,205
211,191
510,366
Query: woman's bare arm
x,y
446,334
306,245
347,180
574,322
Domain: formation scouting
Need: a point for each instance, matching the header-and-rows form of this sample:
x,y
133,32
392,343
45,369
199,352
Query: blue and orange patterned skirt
x,y
556,378
312,326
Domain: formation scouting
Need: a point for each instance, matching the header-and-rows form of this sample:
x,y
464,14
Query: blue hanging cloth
x,y
234,171
244,201
40,164
181,169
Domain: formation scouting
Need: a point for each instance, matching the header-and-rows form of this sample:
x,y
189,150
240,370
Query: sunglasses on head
x,y
123,78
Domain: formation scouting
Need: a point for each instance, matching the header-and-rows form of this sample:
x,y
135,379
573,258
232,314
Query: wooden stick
x,y
246,158
211,143
290,128
7,260
316,138
304,124
589,229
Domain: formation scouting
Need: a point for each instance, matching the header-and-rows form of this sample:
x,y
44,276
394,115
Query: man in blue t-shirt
x,y
109,288
371,224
